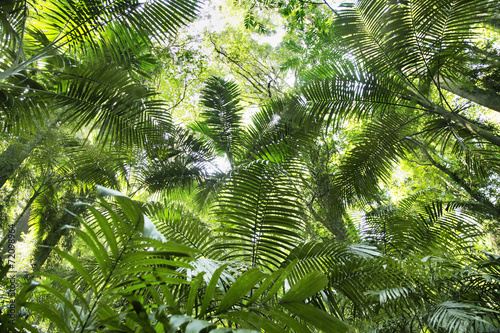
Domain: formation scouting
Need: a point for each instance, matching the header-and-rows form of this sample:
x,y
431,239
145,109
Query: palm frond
x,y
12,19
261,216
411,39
93,165
222,114
461,317
107,99
180,225
356,95
179,161
278,132
95,26
125,262
381,145
429,228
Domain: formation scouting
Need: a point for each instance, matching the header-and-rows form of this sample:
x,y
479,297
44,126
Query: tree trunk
x,y
15,154
476,195
57,231
460,121
486,98
21,223
44,249
20,226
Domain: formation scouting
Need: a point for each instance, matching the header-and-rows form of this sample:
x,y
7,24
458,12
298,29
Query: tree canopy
x,y
252,166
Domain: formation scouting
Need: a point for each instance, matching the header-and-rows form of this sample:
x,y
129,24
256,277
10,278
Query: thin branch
x,y
458,180
249,77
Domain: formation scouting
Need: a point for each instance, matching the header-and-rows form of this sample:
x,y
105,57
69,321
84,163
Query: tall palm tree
x,y
74,62
400,60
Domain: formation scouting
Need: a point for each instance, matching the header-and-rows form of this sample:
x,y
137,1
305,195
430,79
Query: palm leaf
x,y
178,162
415,39
460,317
180,225
222,115
111,102
98,26
260,216
123,264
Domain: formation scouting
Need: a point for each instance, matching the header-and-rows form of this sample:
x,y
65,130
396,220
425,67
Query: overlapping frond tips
x,y
372,158
127,257
94,26
180,225
423,228
340,98
106,98
12,16
410,38
177,162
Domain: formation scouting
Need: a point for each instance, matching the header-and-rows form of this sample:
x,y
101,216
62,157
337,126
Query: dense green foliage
x,y
362,199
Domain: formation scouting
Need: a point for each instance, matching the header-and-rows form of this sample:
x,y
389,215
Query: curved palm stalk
x,y
340,96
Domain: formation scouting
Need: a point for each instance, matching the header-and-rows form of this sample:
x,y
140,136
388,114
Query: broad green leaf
x,y
317,318
280,280
210,289
264,286
78,267
107,192
67,284
240,287
67,302
150,230
99,252
196,326
106,230
177,321
306,287
193,292
50,314
252,319
26,292
282,317
133,213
